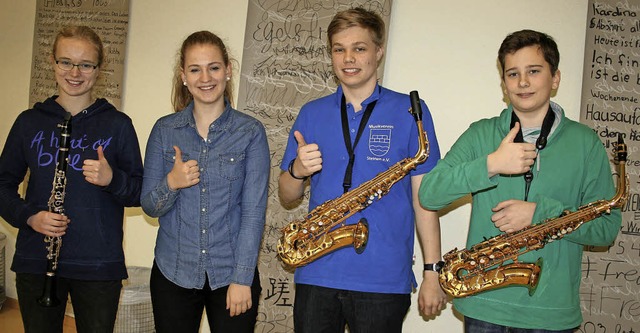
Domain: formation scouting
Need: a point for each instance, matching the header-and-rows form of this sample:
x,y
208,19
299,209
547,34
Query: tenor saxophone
x,y
471,271
307,239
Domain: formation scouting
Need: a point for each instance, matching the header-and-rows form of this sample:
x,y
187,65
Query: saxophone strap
x,y
346,183
541,142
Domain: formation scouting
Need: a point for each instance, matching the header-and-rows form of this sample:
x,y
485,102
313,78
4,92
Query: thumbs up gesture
x,y
511,158
97,172
183,174
309,160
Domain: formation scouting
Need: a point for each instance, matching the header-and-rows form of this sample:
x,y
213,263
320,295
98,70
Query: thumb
x,y
512,133
178,156
100,153
497,208
501,205
299,138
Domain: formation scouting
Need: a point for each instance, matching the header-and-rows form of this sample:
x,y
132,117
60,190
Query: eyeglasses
x,y
67,65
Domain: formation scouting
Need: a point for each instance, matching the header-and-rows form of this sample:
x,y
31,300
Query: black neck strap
x,y
547,123
541,142
346,183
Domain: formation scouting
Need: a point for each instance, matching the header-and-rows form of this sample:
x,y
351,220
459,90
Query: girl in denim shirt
x,y
206,176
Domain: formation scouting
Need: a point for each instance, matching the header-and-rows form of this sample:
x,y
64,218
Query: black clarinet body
x,y
56,205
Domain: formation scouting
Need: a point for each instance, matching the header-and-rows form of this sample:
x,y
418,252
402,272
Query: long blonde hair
x,y
181,97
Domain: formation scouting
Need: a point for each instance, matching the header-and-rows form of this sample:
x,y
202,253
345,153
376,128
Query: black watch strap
x,y
436,267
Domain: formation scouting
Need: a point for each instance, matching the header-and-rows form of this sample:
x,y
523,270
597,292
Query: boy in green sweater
x,y
522,167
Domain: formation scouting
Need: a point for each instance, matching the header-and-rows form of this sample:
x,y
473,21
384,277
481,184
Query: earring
x,y
184,83
228,78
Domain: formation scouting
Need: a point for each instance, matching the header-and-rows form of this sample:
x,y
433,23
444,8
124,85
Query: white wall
x,y
446,50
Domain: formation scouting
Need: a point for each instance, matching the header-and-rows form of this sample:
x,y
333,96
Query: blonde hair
x,y
84,33
357,17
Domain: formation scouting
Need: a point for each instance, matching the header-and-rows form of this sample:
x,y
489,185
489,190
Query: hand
x,y
49,223
183,174
431,298
513,215
97,172
238,299
511,158
309,160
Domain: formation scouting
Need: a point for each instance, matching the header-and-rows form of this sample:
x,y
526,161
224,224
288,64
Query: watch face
x,y
439,266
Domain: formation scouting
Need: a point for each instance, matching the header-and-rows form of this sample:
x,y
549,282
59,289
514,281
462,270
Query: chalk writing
x,y
278,293
591,327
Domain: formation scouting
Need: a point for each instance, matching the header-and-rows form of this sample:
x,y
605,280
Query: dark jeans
x,y
177,309
325,310
95,304
478,326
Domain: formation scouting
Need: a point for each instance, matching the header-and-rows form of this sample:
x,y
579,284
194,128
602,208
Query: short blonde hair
x,y
84,33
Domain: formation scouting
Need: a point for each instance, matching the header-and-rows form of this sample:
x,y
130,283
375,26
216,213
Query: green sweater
x,y
573,171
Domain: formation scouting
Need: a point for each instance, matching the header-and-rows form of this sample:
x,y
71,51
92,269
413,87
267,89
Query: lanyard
x,y
346,183
541,142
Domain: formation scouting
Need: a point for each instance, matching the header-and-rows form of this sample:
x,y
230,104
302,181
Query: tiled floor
x,y
10,321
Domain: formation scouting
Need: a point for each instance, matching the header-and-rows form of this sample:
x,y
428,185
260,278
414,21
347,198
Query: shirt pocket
x,y
232,165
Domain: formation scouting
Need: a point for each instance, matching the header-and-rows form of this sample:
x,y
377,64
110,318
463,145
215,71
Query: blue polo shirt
x,y
390,136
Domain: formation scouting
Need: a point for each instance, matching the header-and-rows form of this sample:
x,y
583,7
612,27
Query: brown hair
x,y
84,33
357,17
524,38
181,95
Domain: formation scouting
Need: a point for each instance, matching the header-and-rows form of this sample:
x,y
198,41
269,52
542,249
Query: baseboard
x,y
11,303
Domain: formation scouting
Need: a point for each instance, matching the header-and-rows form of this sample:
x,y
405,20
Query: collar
x,y
186,118
50,105
505,119
375,95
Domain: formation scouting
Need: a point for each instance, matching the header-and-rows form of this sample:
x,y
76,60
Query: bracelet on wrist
x,y
291,171
434,267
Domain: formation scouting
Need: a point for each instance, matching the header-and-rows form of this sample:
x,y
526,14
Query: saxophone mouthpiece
x,y
416,108
621,150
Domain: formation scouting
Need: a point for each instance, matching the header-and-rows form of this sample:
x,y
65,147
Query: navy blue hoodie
x,y
92,246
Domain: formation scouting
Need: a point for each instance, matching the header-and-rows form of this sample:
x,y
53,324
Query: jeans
x,y
327,310
478,326
95,304
177,309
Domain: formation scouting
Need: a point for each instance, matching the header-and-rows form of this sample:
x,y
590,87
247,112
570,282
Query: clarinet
x,y
56,201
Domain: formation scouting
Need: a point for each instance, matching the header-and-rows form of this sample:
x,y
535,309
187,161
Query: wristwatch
x,y
437,267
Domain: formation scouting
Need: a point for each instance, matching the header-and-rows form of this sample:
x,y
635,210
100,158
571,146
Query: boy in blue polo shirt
x,y
369,292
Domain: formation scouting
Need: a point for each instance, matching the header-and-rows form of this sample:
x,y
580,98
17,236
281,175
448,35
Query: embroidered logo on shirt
x,y
379,139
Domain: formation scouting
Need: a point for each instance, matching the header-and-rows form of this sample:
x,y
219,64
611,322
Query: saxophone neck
x,y
423,142
423,145
622,191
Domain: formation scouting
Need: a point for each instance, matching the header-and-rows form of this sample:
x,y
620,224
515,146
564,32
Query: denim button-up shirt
x,y
214,227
